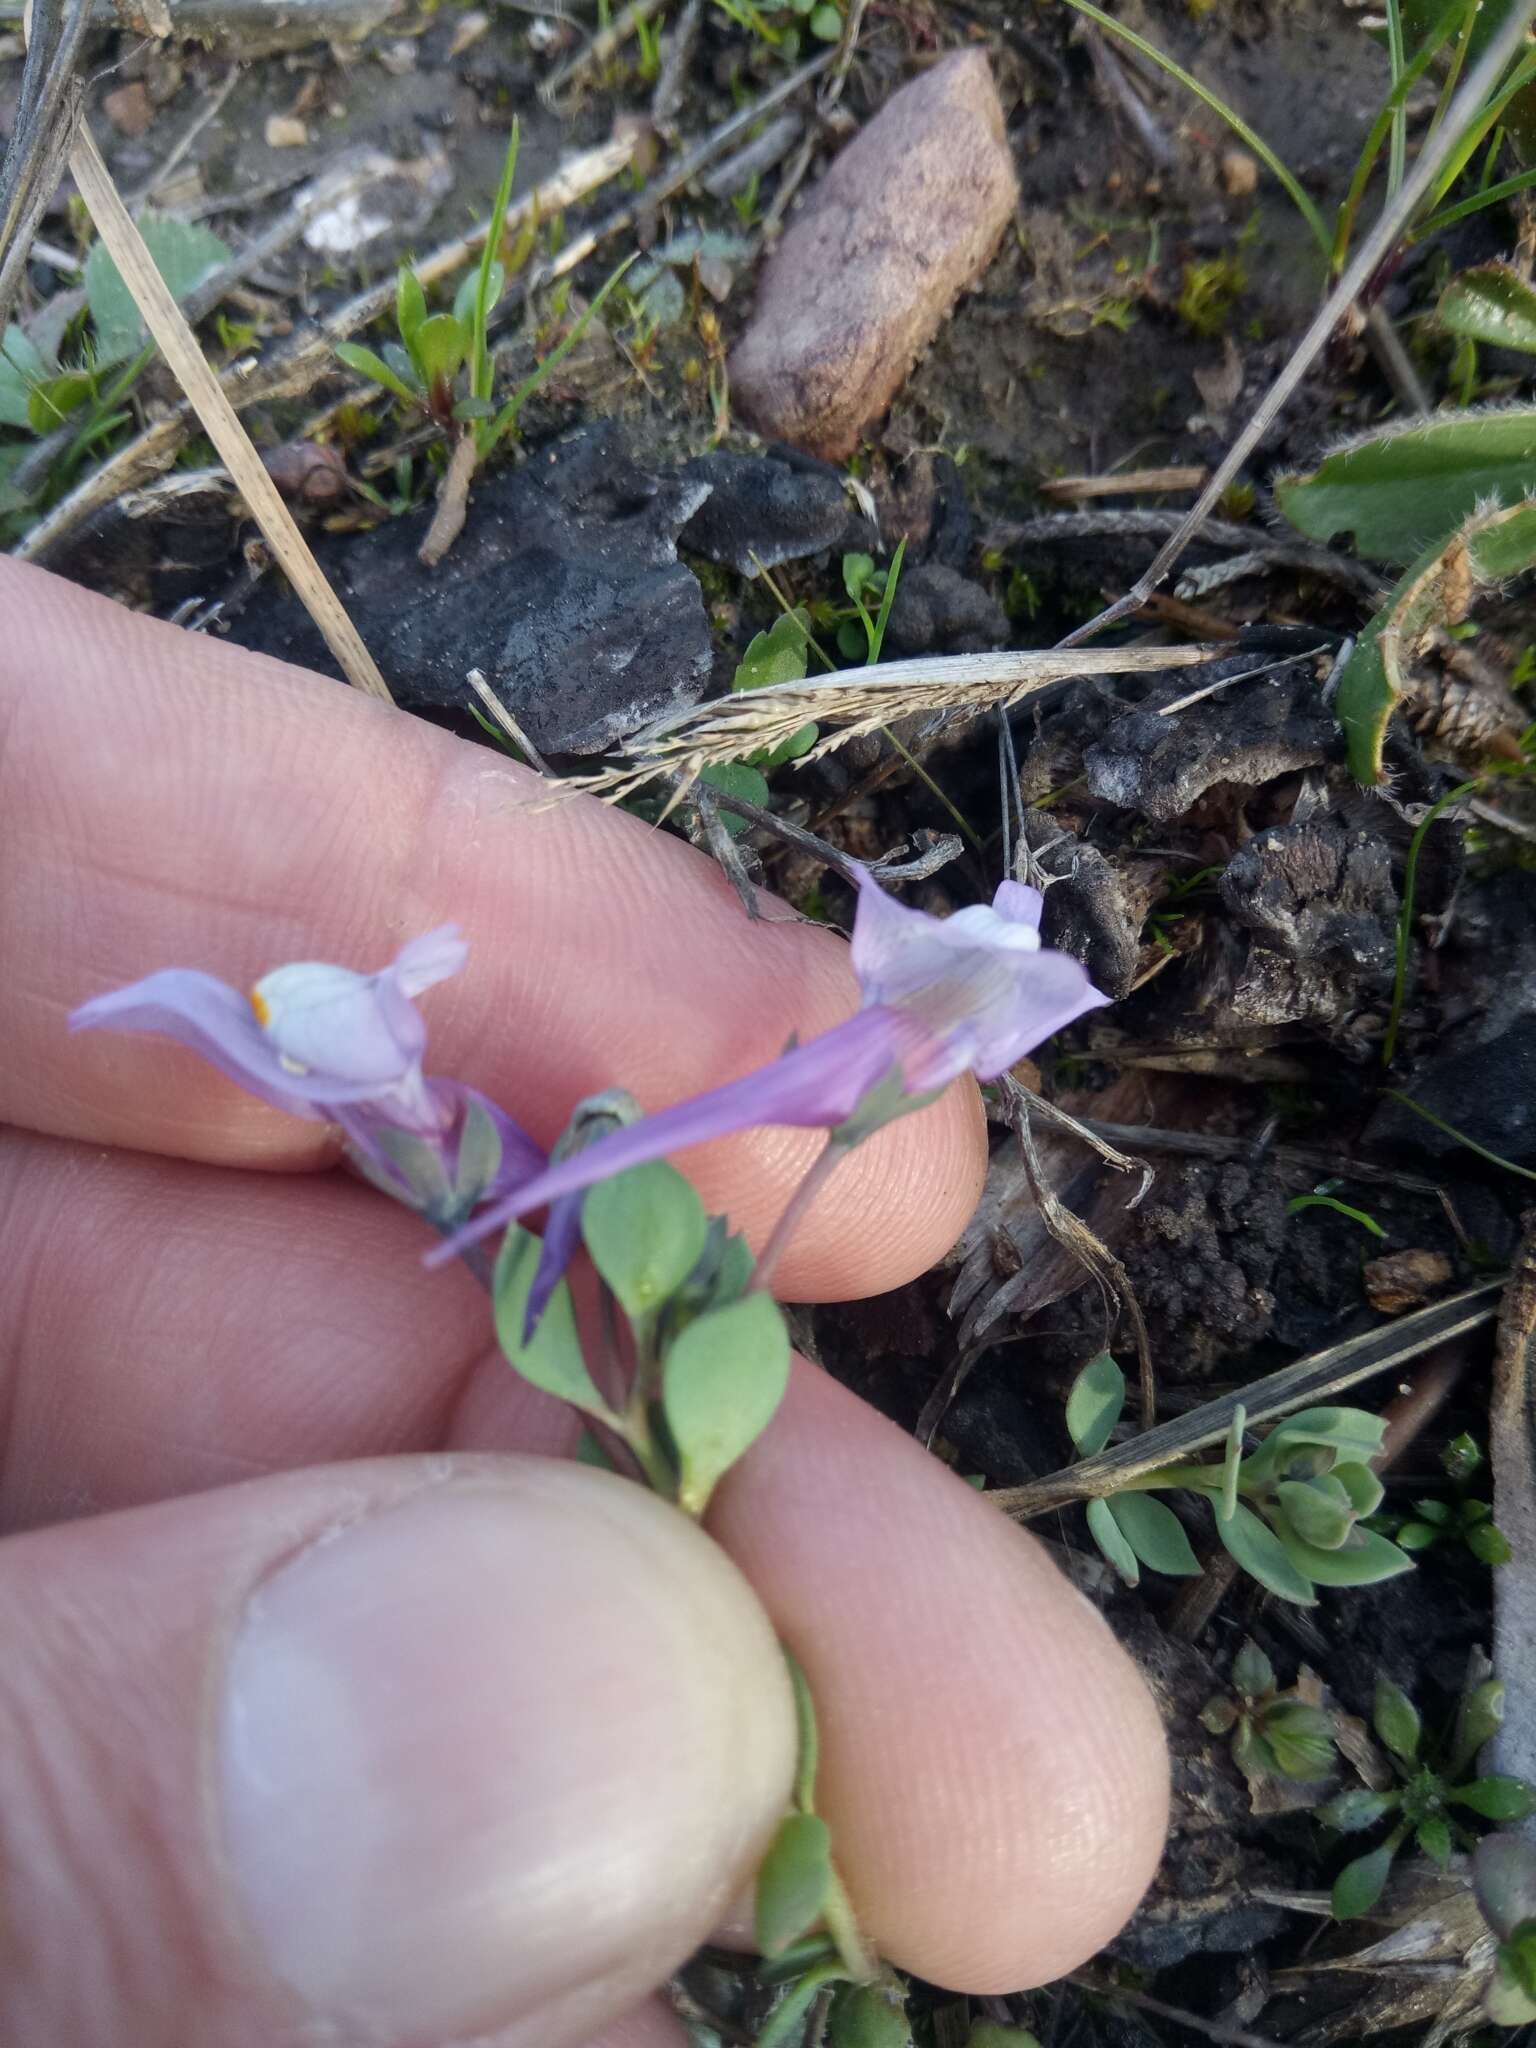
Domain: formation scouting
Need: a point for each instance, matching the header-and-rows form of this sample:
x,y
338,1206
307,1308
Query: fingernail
x,y
504,1740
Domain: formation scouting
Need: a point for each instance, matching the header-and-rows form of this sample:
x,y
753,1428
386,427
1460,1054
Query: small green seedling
x,y
1432,1794
1504,1878
1274,1734
1292,1513
777,656
1462,1519
442,367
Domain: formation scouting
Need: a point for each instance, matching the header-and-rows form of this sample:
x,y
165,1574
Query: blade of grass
x,y
1405,914
1449,215
1397,157
1388,113
506,419
1470,12
1219,107
1450,1130
480,367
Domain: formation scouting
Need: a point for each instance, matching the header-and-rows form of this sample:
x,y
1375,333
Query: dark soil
x,y
1217,869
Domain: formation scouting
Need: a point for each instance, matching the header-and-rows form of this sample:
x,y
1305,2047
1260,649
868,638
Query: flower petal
x,y
1019,903
421,963
818,1084
332,1022
199,1011
562,1234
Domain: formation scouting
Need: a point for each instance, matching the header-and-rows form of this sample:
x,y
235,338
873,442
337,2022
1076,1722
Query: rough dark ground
x,y
1217,868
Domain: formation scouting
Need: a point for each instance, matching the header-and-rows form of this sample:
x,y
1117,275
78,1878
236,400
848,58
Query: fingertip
x,y
993,1766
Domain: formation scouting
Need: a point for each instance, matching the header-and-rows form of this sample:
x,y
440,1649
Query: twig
x,y
509,725
599,49
178,344
1142,2001
291,371
1070,1231
1246,675
1071,490
1512,1453
1501,821
847,43
1323,1374
452,502
1091,1135
1395,361
1306,1158
672,79
1142,523
1476,90
47,111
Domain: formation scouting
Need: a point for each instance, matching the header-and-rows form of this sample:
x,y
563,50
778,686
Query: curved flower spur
x,y
970,993
334,1046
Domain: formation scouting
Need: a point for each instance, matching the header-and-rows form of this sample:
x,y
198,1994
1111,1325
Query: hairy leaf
x,y
1359,1884
185,254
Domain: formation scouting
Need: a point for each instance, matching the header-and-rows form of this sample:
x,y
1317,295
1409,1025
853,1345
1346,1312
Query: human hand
x,y
333,1705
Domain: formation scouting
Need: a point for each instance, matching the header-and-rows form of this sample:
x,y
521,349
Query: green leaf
x,y
1488,1544
808,1737
1259,1551
1417,1536
826,23
1404,489
410,304
1496,1798
1094,1404
869,2016
645,1230
22,365
1301,1738
1508,2002
1318,1512
1359,1884
777,656
185,254
1434,1839
1155,1533
1504,1877
1396,1720
52,401
736,779
1105,1531
885,1102
1461,1456
793,1880
1479,1718
1436,1511
800,741
464,298
1492,303
721,1383
553,1361
1252,1672
857,570
1219,1715
367,364
438,349
1361,1486
1364,1560
993,2034
1354,1811
479,1158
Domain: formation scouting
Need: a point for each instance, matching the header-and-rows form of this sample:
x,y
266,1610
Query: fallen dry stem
x,y
178,344
1512,1454
1317,1378
862,700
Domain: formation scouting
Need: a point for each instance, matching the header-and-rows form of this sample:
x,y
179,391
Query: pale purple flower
x,y
942,996
335,1046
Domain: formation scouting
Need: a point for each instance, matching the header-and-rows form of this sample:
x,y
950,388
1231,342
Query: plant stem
x,y
1405,915
821,1169
844,1930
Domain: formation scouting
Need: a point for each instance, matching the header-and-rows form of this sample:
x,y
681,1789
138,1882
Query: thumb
x,y
395,1752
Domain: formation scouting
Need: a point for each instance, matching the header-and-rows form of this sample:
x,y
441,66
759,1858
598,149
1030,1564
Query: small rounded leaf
x,y
438,347
993,2034
722,1380
1301,1738
1497,1798
1361,1486
410,303
1252,1672
792,1882
1261,1554
1354,1811
1318,1512
1396,1720
1434,1839
869,2016
1417,1536
1094,1404
1508,2002
645,1230
1155,1533
1105,1531
552,1358
1362,1561
1359,1884
1219,1715
1504,1877
1488,1543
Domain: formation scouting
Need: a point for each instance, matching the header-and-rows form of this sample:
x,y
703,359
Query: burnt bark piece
x,y
766,509
1320,902
1261,727
564,590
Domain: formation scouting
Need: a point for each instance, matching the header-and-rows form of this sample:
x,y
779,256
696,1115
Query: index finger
x,y
172,800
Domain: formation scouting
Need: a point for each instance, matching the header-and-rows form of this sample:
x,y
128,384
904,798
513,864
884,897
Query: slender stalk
x,y
844,1930
821,1170
1405,915
1398,156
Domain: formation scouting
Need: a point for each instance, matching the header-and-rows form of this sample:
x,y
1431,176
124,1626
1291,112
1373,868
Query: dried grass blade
x,y
1317,1378
179,345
